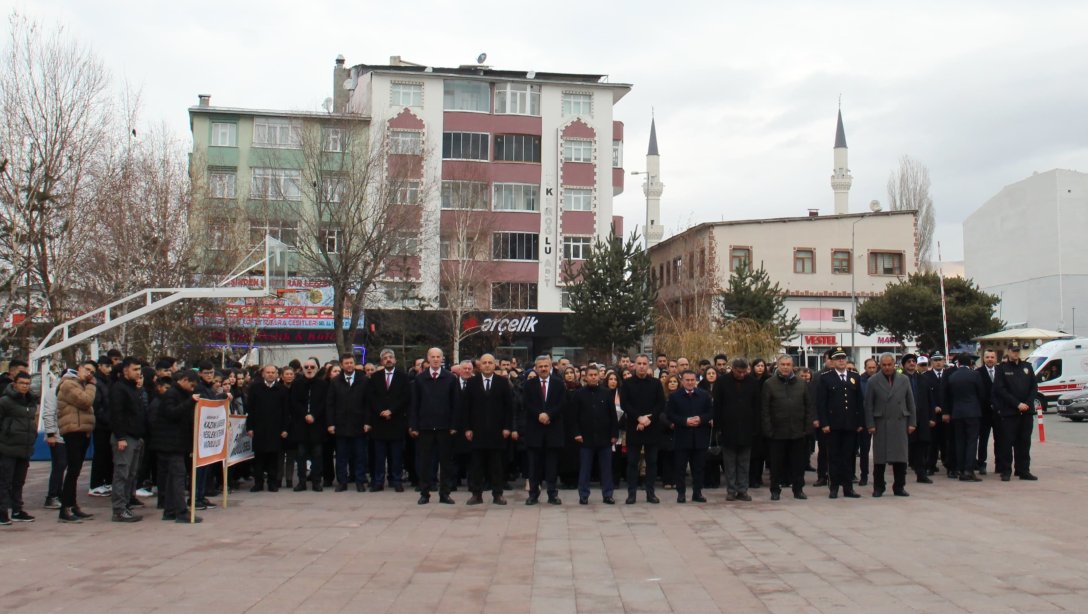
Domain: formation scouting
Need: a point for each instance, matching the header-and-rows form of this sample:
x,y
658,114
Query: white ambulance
x,y
1060,367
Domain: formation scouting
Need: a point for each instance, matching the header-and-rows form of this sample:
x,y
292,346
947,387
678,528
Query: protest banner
x,y
209,440
241,444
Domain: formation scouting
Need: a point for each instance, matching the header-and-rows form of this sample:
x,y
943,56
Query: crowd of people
x,y
487,422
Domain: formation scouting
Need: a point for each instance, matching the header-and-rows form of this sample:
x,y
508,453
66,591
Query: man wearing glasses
x,y
308,424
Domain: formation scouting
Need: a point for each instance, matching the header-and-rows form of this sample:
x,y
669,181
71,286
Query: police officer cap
x,y
938,355
1014,348
838,352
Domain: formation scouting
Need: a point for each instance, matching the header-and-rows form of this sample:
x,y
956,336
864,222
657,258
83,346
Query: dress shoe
x,y
273,489
475,499
1005,477
423,500
498,500
445,499
954,475
924,480
256,488
184,519
398,488
78,513
609,501
630,499
969,477
834,494
864,481
931,471
698,499
982,469
799,494
301,486
730,497
377,488
1028,476
743,496
776,495
554,500
851,494
341,487
360,487
583,500
899,492
681,499
652,499
820,483
532,501
878,492
66,515
317,487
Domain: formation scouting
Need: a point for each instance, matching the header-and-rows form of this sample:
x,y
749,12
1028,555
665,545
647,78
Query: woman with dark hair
x,y
571,379
619,459
329,372
665,465
759,369
709,381
758,459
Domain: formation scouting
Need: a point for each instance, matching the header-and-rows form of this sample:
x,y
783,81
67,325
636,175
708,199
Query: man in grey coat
x,y
890,417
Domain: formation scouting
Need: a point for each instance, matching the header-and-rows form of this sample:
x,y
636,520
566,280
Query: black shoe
x,y
652,499
1023,476
208,505
931,471
698,499
316,487
475,499
851,494
169,517
797,494
776,495
377,488
878,492
498,500
66,515
52,503
583,500
78,513
900,492
327,483
398,488
554,500
21,516
969,477
820,483
1005,477
127,516
834,494
341,487
273,488
982,469
630,499
185,520
756,484
134,502
864,481
924,480
681,499
256,488
445,499
609,501
301,486
200,505
423,499
360,487
953,475
532,500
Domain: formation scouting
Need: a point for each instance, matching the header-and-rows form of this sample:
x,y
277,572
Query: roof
x,y
840,134
652,151
1015,334
477,71
276,113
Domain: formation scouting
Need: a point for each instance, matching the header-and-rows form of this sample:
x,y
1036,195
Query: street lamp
x,y
874,207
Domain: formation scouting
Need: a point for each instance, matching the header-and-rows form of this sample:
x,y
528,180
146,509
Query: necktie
x,y
544,389
487,385
991,371
843,376
388,379
349,379
434,374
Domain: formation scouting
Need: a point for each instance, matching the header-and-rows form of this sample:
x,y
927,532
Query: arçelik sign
x,y
524,324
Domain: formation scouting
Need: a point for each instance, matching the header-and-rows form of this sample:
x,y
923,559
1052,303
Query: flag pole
x,y
944,301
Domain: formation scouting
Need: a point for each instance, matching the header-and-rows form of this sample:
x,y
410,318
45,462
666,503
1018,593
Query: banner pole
x,y
227,443
192,488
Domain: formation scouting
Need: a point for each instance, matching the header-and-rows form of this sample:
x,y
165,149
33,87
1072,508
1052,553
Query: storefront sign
x,y
820,340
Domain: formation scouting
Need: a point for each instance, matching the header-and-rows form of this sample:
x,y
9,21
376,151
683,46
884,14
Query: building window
x,y
224,134
400,292
885,263
513,295
740,258
275,184
576,248
330,240
840,261
617,154
702,262
575,150
453,249
332,189
467,298
515,245
407,193
407,142
838,315
577,199
466,96
221,184
517,99
406,94
515,197
218,230
577,104
277,133
332,140
405,244
464,195
280,230
677,266
804,261
464,146
564,299
517,148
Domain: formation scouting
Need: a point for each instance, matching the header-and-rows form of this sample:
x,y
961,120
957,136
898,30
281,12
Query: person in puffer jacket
x,y
76,422
18,432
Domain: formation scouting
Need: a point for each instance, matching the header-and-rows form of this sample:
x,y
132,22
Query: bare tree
x,y
908,189
464,270
55,115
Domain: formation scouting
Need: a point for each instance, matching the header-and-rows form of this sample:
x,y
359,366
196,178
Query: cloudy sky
x,y
983,93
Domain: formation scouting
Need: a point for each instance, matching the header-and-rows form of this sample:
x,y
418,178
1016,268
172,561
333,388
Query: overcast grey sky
x,y
983,93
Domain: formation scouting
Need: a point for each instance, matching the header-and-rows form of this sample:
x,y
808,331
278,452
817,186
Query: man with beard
x,y
541,427
988,422
890,418
387,420
345,407
307,430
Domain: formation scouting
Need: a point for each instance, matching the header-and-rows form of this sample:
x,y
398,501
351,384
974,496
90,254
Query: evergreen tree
x,y
752,296
611,295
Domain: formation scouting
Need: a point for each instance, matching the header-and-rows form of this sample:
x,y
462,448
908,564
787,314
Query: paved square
x,y
990,547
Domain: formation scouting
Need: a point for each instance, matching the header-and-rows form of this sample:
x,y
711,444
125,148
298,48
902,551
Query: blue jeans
x,y
382,449
351,449
586,454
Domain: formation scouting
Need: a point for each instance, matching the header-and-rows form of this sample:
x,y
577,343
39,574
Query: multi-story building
x,y
1026,245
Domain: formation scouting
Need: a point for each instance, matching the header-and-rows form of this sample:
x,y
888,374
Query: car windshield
x,y
1038,362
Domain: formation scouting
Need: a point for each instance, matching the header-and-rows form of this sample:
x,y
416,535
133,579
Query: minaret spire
x,y
840,177
653,188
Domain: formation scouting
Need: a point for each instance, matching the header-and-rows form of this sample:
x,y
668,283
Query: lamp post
x,y
874,207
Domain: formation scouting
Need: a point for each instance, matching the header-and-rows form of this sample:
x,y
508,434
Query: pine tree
x,y
752,296
611,295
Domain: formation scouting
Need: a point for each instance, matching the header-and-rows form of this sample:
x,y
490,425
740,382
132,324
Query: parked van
x,y
1060,366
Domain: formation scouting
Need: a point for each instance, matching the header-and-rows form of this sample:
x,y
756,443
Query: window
x,y
464,195
406,94
466,96
277,133
517,148
459,298
515,197
740,258
224,134
577,199
517,99
218,233
512,295
278,229
407,194
332,139
453,249
838,315
617,154
702,262
575,150
515,245
577,104
330,240
221,184
275,184
405,244
464,146
406,142
885,263
576,248
564,299
332,189
840,261
400,291
803,261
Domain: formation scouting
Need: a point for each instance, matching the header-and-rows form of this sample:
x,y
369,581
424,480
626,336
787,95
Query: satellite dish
x,y
327,105
480,59
874,206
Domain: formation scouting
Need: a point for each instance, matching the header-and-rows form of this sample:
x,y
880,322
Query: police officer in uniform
x,y
839,407
935,393
1014,393
965,400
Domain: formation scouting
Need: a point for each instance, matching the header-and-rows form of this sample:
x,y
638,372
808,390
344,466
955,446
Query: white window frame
x,y
224,134
407,194
405,94
449,188
617,154
577,247
332,140
275,228
277,133
332,189
222,184
275,184
577,104
517,99
515,197
577,199
330,239
450,98
406,142
577,150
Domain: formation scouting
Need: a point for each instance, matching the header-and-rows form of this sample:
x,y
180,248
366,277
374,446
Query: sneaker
x,y
52,503
66,515
145,492
134,502
127,516
4,520
208,505
200,505
22,516
100,491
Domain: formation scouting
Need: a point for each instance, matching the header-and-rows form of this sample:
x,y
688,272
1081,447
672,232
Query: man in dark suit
x,y
346,412
692,411
267,419
965,400
489,425
387,420
643,402
595,429
918,441
934,381
308,423
986,424
433,420
541,428
839,412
